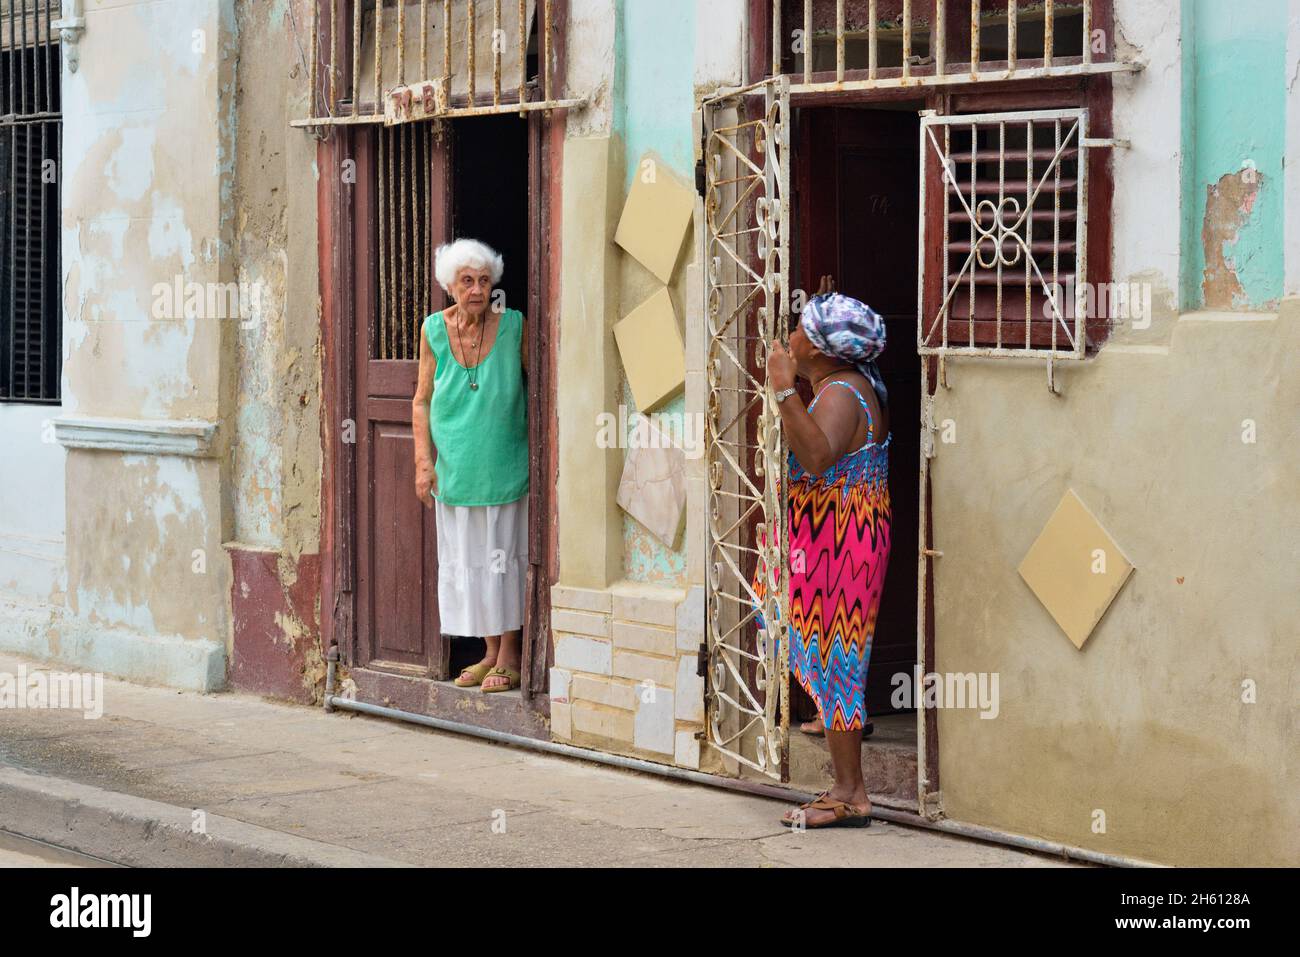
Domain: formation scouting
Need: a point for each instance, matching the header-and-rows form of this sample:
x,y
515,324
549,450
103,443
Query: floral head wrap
x,y
844,328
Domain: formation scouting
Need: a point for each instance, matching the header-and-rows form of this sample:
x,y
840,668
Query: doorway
x,y
420,185
857,218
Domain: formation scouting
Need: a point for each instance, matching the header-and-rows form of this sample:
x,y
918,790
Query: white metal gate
x,y
747,303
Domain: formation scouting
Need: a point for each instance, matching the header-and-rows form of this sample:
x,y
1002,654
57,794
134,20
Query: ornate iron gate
x,y
747,302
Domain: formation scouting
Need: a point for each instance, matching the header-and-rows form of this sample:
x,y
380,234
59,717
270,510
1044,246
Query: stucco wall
x,y
1147,722
654,101
276,458
1169,736
146,175
31,509
1234,107
1292,188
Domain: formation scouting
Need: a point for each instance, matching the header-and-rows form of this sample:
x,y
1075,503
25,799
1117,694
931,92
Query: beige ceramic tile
x,y
650,345
653,488
1075,568
655,217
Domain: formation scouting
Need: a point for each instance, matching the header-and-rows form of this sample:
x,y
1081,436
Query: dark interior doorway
x,y
489,202
856,218
490,194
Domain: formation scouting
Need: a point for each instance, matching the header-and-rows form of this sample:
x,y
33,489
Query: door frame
x,y
1091,92
337,211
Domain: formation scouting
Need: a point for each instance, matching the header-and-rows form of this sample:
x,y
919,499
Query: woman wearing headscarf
x,y
839,527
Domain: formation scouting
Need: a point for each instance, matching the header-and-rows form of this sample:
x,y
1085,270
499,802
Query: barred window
x,y
30,145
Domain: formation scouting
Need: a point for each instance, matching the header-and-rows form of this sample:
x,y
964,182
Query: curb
x,y
138,832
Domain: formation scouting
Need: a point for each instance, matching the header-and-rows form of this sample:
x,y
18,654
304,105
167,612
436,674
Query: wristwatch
x,y
785,394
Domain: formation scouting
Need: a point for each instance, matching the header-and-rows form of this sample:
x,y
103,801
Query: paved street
x,y
346,788
20,852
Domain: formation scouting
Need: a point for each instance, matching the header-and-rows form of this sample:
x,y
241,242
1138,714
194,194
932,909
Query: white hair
x,y
460,254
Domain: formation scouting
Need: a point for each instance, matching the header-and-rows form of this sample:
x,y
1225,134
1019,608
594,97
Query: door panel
x,y
397,229
403,619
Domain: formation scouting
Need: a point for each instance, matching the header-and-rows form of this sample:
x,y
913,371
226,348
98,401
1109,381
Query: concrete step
x,y
888,759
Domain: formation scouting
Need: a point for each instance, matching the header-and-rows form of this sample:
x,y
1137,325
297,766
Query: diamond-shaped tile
x,y
1075,568
655,217
650,345
653,487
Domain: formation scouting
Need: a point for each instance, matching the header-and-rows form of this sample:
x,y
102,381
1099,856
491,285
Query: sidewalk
x,y
280,784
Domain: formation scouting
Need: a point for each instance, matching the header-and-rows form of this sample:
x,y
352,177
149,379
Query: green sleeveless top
x,y
481,435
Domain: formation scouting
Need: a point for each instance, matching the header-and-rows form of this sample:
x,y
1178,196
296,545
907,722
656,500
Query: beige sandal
x,y
515,680
476,672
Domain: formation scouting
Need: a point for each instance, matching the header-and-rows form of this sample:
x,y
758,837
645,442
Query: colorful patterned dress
x,y
839,551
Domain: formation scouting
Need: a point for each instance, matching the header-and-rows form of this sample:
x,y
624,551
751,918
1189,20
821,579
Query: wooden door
x,y
858,194
400,216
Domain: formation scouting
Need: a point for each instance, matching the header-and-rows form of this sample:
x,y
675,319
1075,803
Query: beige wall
x,y
147,169
1146,723
188,428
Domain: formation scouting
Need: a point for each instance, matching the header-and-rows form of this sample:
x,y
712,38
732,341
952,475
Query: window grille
x,y
388,61
405,242
1014,245
878,44
30,140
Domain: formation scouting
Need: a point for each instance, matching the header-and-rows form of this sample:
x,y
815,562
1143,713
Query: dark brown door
x,y
400,211
858,197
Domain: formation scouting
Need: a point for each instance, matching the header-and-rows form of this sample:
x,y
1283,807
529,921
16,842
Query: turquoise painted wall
x,y
1234,115
653,106
654,100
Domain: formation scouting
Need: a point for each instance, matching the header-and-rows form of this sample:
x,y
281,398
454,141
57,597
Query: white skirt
x,y
482,567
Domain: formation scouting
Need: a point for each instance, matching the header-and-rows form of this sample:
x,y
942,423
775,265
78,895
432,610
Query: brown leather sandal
x,y
846,815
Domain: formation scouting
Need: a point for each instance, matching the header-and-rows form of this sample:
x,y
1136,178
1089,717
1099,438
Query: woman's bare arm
x,y
821,439
426,479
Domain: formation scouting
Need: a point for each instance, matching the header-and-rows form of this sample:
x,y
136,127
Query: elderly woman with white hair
x,y
470,407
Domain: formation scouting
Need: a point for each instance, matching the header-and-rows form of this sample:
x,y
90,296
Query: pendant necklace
x,y
473,371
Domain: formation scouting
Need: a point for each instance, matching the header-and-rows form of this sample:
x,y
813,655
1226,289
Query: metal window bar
x,y
884,46
747,306
1024,232
30,154
341,45
405,293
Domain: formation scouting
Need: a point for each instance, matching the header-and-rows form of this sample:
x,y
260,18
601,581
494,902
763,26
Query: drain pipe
x,y
775,792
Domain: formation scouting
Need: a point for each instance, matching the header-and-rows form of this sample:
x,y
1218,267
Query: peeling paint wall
x,y
146,178
276,457
653,105
1168,736
190,300
1234,109
669,56
276,445
1292,185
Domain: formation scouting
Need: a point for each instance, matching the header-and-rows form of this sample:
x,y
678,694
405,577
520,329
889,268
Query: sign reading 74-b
x,y
419,101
